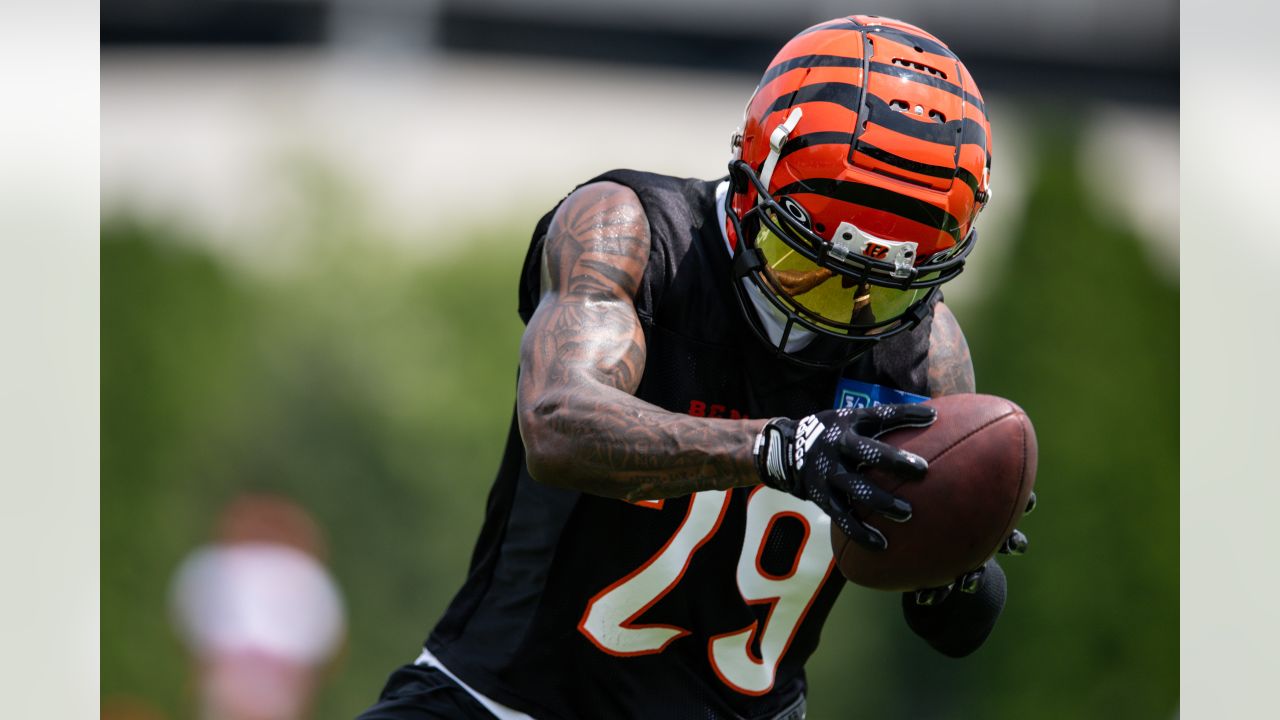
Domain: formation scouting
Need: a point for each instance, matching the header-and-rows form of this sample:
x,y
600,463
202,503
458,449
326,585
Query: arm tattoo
x,y
950,366
581,360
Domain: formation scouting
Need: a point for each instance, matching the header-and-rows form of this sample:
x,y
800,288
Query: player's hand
x,y
1016,543
823,458
970,582
959,622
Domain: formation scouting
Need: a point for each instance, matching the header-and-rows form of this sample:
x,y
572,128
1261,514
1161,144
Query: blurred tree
x,y
1085,337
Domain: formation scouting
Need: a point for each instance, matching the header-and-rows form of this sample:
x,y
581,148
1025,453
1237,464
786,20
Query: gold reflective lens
x,y
823,294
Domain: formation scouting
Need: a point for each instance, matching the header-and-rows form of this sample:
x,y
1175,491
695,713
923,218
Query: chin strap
x,y
776,141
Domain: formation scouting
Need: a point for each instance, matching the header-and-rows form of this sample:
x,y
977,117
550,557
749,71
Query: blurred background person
x,y
258,611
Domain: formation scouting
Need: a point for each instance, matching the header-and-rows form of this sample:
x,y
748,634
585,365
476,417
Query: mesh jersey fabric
x,y
545,553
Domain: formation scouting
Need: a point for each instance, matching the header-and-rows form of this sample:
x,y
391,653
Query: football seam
x,y
1022,481
1012,410
1009,411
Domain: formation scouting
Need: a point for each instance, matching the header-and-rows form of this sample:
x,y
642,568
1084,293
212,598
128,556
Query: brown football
x,y
982,467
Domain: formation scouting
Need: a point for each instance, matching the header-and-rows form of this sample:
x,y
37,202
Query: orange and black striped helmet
x,y
862,163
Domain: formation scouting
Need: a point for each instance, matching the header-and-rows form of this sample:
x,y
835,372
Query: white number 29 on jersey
x,y
609,620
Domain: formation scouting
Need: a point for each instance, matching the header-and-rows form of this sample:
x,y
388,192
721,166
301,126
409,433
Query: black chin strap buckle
x,y
746,261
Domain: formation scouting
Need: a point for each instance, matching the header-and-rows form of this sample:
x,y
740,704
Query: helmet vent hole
x,y
919,66
903,106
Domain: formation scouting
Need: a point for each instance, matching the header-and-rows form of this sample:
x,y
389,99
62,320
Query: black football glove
x,y
958,623
1016,543
822,458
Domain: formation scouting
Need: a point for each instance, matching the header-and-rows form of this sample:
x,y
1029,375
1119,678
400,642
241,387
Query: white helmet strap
x,y
776,141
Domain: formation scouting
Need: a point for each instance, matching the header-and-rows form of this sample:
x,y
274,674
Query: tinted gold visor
x,y
826,297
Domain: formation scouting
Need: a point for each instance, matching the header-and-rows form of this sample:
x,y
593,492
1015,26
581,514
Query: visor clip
x,y
902,265
747,261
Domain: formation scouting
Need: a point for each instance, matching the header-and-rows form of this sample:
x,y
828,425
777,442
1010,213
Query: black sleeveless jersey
x,y
707,606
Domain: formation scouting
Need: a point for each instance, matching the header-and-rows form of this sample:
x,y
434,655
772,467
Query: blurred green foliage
x,y
1085,337
376,389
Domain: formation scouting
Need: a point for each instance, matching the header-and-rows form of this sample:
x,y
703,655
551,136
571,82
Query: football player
x,y
655,541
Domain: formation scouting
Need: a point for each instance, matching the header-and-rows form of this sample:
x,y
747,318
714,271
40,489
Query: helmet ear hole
x,y
795,210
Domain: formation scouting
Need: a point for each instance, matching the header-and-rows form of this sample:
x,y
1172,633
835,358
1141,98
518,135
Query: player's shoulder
x,y
949,361
652,221
603,214
598,196
662,195
597,244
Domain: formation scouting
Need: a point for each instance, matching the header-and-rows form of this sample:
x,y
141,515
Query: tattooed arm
x,y
950,367
581,360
